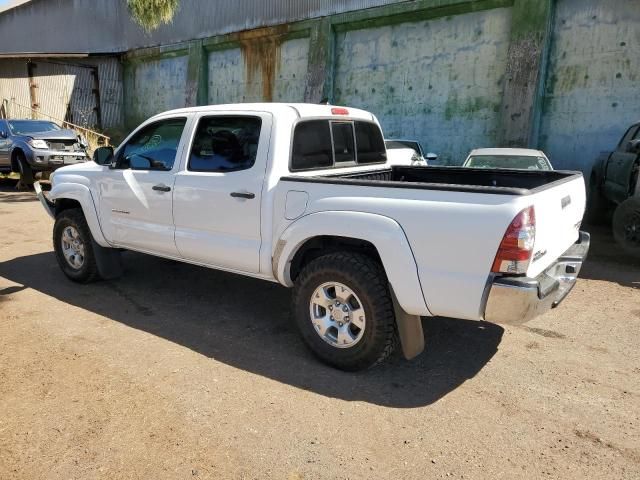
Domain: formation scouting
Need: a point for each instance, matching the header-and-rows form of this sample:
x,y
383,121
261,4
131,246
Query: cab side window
x,y
155,147
225,144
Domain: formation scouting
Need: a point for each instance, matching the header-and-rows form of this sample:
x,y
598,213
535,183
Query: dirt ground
x,y
175,371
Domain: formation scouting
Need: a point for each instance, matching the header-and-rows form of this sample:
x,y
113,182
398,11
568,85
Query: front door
x,y
217,197
136,197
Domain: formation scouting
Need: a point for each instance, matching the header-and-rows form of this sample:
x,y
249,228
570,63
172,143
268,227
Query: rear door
x,y
136,203
218,194
620,166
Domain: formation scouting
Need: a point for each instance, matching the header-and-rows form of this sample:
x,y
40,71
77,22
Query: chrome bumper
x,y
516,300
48,205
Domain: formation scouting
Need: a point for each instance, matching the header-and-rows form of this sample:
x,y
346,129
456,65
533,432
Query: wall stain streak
x,y
261,53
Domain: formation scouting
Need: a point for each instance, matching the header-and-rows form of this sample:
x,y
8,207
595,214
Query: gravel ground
x,y
176,371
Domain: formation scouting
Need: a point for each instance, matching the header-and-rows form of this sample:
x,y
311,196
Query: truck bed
x,y
457,179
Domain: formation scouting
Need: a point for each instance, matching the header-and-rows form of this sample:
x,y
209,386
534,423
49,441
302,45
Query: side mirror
x,y
3,134
103,155
633,146
431,157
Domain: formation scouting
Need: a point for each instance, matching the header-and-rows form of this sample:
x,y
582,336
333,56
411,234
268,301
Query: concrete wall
x,y
154,86
593,89
234,75
437,81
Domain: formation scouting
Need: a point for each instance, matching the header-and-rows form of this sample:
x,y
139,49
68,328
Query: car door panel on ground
x,y
217,197
620,166
136,203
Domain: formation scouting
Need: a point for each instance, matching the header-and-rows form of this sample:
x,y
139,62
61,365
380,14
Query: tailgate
x,y
559,211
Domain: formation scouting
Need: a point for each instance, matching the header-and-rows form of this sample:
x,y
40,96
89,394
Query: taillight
x,y
339,111
516,247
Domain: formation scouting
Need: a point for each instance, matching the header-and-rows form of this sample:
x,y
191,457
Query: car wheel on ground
x,y
343,309
73,247
26,173
626,225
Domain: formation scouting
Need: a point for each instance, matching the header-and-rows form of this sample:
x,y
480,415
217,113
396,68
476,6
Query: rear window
x,y
319,144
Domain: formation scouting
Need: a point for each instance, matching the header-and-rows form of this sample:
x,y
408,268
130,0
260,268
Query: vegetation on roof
x,y
150,14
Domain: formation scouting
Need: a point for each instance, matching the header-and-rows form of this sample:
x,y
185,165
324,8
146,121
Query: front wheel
x,y
26,173
73,247
343,309
626,225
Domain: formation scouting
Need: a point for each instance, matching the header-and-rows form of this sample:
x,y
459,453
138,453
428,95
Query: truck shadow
x,y
245,323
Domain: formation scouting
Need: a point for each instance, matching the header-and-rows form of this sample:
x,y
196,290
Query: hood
x,y
54,135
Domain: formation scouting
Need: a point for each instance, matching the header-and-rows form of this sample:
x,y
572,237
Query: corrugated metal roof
x,y
104,26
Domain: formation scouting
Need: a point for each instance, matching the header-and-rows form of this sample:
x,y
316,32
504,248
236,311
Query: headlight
x,y
38,144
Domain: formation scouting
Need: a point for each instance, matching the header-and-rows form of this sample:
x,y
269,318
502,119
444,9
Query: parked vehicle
x,y
614,187
513,158
303,195
30,146
408,152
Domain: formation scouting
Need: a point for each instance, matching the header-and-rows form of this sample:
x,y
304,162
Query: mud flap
x,y
409,330
108,260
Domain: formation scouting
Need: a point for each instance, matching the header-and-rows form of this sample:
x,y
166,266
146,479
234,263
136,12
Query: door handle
x,y
243,195
161,188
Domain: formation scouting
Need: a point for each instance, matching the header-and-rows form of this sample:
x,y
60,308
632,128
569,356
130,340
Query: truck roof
x,y
303,110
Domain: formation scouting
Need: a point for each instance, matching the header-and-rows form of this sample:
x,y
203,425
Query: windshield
x,y
508,161
25,127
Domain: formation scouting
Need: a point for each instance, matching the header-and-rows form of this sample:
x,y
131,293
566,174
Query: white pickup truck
x,y
303,195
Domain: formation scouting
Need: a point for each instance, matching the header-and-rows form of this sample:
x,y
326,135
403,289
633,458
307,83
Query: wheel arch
x,y
379,237
70,195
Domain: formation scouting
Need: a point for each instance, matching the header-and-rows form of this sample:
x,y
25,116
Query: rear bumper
x,y
516,300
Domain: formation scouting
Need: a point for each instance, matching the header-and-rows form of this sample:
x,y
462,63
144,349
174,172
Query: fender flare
x,y
383,232
82,194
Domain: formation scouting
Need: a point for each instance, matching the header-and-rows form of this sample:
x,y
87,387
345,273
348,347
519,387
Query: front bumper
x,y
49,206
52,159
516,300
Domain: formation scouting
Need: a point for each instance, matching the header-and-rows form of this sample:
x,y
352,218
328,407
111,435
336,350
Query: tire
x,y
68,222
626,226
26,173
365,279
598,207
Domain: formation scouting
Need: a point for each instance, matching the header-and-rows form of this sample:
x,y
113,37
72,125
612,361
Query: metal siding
x,y
14,83
116,32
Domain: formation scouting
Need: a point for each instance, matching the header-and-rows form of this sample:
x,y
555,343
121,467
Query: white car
x,y
513,158
407,152
303,195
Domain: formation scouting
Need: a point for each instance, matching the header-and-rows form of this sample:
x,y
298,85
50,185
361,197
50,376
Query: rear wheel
x,y
343,309
626,225
73,247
